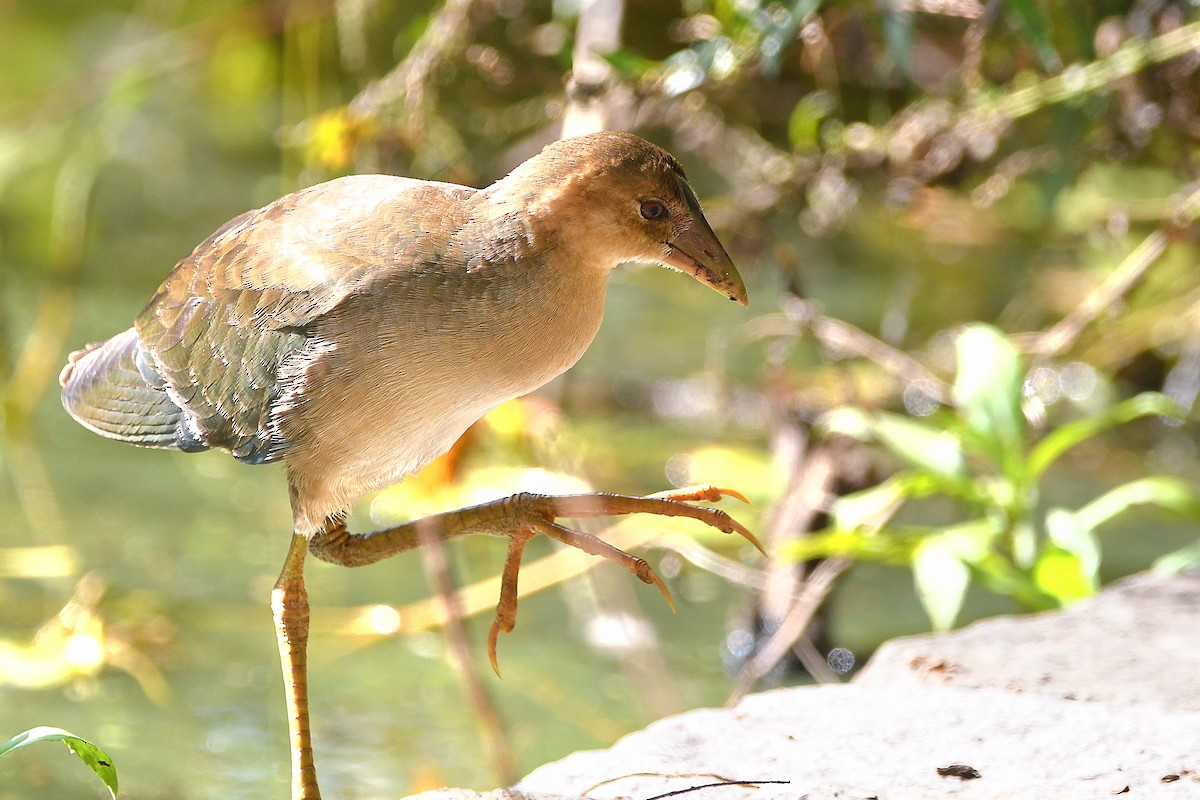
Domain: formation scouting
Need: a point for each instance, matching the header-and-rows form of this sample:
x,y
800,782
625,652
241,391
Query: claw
x,y
493,634
506,608
711,493
534,514
662,587
706,492
744,532
735,494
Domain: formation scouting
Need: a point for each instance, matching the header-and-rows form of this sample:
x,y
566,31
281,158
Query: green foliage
x,y
1034,23
984,458
89,753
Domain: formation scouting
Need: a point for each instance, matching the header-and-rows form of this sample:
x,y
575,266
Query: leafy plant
x,y
89,753
983,456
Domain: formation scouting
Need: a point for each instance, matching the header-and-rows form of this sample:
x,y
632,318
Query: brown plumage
x,y
356,328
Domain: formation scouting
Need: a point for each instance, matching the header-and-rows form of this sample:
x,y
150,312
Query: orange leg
x,y
522,516
289,602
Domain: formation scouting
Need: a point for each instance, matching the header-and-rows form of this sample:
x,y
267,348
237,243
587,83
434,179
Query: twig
x,y
719,780
1118,283
964,9
407,84
1132,57
813,661
816,587
590,108
841,337
747,784
433,550
811,474
700,556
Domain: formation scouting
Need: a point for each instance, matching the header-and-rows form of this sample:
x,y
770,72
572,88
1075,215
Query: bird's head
x,y
621,198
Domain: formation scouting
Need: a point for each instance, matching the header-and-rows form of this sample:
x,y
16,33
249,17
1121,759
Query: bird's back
x,y
201,366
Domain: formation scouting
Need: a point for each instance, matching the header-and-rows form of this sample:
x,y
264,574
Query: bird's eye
x,y
653,209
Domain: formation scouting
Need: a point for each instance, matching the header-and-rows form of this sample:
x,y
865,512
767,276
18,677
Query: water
x,y
188,548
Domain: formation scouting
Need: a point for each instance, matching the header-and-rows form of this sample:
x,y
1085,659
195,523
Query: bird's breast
x,y
392,378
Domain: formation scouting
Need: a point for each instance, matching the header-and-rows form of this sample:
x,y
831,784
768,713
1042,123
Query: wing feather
x,y
242,303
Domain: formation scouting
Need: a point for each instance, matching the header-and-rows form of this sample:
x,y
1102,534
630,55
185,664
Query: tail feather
x,y
104,391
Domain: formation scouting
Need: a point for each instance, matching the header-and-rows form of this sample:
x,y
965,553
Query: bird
x,y
354,330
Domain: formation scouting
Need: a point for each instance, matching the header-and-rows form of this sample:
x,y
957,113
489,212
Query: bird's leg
x,y
289,602
520,517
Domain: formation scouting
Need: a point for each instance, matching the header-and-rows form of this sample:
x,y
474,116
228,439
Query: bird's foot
x,y
531,514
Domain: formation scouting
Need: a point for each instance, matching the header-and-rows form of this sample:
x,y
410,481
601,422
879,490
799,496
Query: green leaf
x,y
972,541
1169,493
1062,439
941,579
921,446
873,507
885,547
1179,560
1062,575
91,755
987,392
1068,568
861,509
999,575
1036,27
628,64
1075,535
804,124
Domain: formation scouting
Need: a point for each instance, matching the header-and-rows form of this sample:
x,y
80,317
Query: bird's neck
x,y
542,219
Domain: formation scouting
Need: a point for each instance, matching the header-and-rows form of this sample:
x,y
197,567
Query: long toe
x,y
596,546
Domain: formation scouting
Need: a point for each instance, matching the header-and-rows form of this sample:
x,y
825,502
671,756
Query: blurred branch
x,y
973,41
816,587
407,86
842,339
811,479
966,9
1132,57
726,568
595,103
926,139
38,361
433,550
817,478
1119,282
37,498
351,19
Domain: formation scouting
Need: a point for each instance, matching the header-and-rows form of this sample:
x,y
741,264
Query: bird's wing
x,y
242,301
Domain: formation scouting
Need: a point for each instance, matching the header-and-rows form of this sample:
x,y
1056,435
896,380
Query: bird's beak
x,y
697,252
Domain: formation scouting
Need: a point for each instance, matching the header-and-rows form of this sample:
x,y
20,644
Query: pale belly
x,y
380,407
